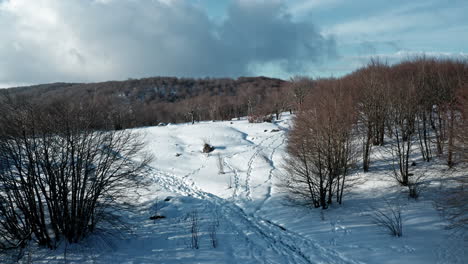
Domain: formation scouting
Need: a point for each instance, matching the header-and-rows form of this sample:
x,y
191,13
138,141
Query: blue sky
x,y
391,29
95,40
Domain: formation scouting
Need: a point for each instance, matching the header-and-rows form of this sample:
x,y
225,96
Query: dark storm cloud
x,y
75,40
261,32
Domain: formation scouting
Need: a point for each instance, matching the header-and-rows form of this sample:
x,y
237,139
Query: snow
x,y
257,224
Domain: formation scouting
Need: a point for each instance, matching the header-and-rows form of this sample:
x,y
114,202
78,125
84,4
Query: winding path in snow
x,y
261,240
266,241
257,148
272,169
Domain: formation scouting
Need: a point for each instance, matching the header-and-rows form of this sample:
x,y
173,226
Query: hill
x,y
241,208
149,101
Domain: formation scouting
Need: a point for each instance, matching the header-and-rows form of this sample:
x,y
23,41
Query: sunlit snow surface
x,y
256,223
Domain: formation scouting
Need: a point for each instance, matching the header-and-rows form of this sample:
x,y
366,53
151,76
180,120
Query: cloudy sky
x,y
44,41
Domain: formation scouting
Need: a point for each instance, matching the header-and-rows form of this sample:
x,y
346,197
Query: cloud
x,y
303,7
94,40
262,33
416,18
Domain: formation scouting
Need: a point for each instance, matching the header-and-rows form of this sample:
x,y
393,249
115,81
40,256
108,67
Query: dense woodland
x,y
151,101
417,108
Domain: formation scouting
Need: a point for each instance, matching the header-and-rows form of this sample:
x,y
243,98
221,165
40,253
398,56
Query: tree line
x,y
416,107
150,101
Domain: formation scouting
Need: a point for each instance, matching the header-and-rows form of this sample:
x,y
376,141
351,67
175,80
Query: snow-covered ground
x,y
254,222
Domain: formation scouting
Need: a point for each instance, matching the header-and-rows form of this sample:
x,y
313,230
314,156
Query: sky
x,y
44,41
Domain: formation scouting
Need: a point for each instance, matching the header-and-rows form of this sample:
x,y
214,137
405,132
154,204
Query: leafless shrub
x,y
416,184
60,178
194,225
390,218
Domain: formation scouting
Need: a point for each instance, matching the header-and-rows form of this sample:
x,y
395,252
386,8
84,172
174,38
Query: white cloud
x,y
302,7
76,40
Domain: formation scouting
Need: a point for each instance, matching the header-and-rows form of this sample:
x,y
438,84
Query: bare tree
x,y
372,90
402,115
320,147
278,101
424,82
60,177
300,88
455,205
461,126
453,77
192,108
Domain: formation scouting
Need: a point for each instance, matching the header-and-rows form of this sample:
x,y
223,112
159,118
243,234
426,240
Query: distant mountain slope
x,y
149,101
151,89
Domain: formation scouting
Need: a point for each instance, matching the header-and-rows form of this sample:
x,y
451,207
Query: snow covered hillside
x,y
226,207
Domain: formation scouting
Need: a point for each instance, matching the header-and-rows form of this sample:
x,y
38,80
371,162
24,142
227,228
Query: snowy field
x,y
243,212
